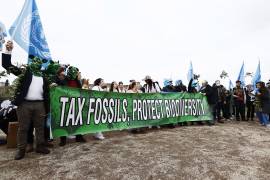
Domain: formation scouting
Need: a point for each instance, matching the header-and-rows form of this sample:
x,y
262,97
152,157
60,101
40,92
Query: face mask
x,y
35,67
72,73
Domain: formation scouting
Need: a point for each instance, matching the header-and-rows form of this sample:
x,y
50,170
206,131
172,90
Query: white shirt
x,y
97,88
122,91
35,91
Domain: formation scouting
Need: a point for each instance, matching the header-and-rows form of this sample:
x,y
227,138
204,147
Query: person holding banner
x,y
207,91
151,87
98,86
121,88
71,80
113,87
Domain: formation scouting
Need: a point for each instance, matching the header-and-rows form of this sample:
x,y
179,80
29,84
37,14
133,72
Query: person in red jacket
x,y
71,80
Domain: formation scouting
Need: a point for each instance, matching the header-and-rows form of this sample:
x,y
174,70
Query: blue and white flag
x,y
241,76
257,76
190,72
230,85
3,29
3,34
27,31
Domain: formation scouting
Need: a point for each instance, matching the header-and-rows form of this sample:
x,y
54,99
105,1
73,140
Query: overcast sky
x,y
128,39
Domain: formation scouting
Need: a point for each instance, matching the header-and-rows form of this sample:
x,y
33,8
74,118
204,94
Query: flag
x,y
257,76
3,29
241,76
27,32
3,34
230,85
190,72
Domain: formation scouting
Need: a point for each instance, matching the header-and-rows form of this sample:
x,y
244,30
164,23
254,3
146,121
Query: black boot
x,y
63,141
41,149
79,138
48,144
20,154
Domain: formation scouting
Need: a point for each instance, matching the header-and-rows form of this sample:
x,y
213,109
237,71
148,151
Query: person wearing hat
x,y
168,86
179,86
150,86
239,101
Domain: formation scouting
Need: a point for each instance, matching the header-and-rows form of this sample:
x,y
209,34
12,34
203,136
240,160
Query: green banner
x,y
77,111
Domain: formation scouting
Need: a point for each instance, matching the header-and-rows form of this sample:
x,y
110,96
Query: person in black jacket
x,y
168,86
207,90
220,97
179,86
250,102
32,99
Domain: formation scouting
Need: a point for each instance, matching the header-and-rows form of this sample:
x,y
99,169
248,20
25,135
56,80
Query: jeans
x,y
263,117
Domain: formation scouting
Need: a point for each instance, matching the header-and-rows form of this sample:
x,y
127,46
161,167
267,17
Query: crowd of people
x,y
32,100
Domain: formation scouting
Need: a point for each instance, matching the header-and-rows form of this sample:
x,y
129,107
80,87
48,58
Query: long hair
x,y
132,85
112,86
97,82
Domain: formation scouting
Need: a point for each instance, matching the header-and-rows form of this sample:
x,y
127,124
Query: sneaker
x,y
99,136
268,125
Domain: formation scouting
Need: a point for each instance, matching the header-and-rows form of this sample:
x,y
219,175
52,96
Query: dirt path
x,y
226,151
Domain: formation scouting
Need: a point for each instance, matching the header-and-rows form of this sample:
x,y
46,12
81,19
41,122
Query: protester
x,y
219,92
239,101
85,84
180,87
7,115
168,86
268,85
250,103
207,90
150,86
32,99
98,86
262,103
227,105
121,88
192,85
113,87
71,80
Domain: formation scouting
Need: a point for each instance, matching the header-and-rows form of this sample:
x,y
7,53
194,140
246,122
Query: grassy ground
x,y
234,150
